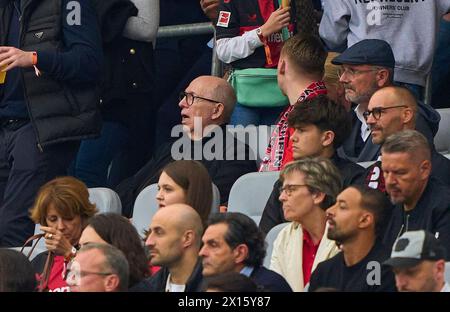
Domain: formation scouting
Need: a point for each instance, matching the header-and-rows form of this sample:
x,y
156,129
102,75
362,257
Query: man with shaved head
x,y
174,239
206,106
421,202
391,110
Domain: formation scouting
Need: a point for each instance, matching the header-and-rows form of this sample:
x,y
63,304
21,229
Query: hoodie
x,y
413,24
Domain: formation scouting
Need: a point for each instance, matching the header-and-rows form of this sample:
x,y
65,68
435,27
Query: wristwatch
x,y
260,35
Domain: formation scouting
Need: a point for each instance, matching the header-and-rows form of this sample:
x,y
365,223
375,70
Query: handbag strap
x,y
32,238
45,276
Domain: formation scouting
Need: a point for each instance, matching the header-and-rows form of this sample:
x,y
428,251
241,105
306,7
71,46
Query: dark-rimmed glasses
x,y
190,98
377,111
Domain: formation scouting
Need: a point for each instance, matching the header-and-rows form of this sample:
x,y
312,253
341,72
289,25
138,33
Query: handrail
x,y
195,29
185,30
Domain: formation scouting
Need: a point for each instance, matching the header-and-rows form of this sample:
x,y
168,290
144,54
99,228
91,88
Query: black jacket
x,y
60,110
223,172
273,215
129,64
432,213
270,280
157,283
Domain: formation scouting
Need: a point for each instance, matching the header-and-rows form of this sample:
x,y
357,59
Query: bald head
x,y
182,218
390,110
220,90
395,95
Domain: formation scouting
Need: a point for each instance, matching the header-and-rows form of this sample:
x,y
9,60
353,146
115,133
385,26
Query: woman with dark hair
x,y
116,230
62,208
16,272
186,182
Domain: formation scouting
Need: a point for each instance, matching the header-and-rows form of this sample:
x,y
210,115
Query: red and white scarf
x,y
279,150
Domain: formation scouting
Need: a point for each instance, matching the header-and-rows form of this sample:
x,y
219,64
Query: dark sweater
x,y
157,282
432,213
223,172
334,273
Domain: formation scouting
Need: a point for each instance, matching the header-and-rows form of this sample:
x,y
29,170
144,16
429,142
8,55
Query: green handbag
x,y
257,87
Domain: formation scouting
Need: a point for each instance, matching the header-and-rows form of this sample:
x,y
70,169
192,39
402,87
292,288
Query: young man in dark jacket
x,y
52,54
320,128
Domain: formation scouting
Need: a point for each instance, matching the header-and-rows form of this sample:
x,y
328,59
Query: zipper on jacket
x,y
25,97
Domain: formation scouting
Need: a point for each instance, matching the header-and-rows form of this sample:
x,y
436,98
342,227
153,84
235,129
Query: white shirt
x,y
446,288
365,130
171,287
239,47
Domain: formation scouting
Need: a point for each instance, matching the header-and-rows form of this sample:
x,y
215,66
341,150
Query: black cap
x,y
413,247
367,52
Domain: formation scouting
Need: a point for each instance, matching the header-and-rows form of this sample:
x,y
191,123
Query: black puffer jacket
x,y
60,111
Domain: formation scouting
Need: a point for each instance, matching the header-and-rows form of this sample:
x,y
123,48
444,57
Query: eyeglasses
x,y
289,188
190,98
351,73
377,111
73,273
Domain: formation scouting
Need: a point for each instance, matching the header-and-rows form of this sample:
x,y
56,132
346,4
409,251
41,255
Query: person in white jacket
x,y
310,186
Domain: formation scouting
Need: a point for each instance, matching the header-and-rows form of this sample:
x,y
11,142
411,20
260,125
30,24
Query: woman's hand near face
x,y
56,242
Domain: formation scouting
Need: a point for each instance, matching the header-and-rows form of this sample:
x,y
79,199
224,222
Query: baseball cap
x,y
413,247
374,52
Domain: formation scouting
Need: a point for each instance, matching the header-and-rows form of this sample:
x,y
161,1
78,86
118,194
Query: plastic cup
x,y
285,3
2,76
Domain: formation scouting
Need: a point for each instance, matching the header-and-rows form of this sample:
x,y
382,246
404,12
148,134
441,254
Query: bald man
x,y
391,110
206,106
174,240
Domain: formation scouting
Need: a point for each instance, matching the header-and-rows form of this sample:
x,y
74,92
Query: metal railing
x,y
196,29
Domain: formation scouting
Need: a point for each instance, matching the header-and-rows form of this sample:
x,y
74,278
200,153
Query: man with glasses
x,y
391,110
98,268
205,106
421,201
368,66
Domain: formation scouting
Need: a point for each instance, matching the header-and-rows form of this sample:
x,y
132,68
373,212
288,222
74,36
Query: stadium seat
x,y
216,199
257,138
105,199
270,239
146,205
442,138
249,194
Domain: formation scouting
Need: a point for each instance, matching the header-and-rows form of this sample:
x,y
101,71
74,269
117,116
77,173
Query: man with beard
x,y
367,67
421,202
390,110
174,241
355,223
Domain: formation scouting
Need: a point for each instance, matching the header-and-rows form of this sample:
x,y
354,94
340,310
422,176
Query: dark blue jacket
x,y
270,280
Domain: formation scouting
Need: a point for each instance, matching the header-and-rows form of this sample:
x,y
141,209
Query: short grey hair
x,y
320,176
407,141
115,262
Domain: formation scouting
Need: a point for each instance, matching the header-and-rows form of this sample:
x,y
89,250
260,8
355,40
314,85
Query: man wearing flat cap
x,y
368,66
417,260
